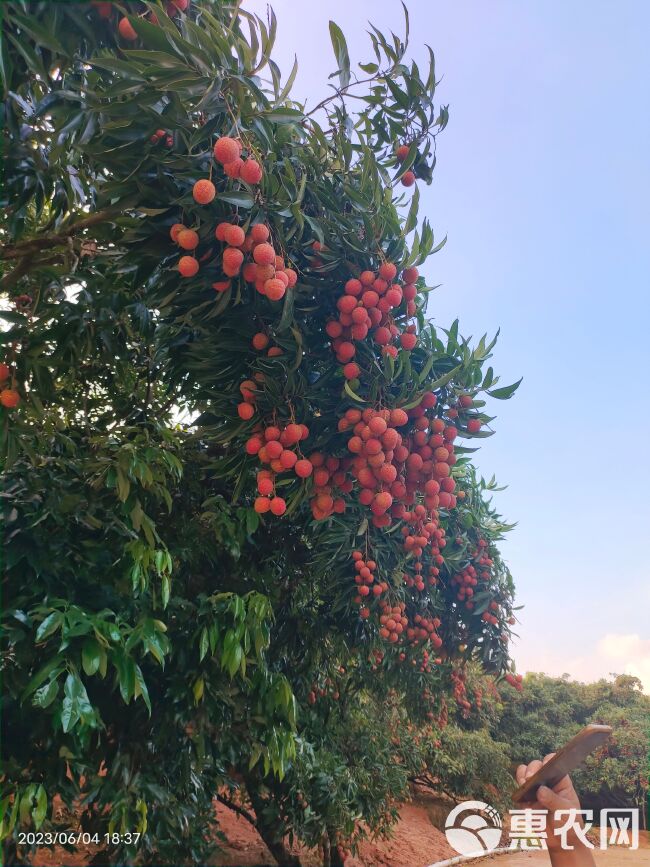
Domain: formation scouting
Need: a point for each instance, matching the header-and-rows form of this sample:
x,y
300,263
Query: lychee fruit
x,y
126,30
204,191
9,398
187,239
188,266
226,150
251,172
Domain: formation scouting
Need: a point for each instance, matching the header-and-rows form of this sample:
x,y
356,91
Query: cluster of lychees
x,y
228,152
459,691
330,482
366,307
126,30
515,680
395,628
408,178
9,397
273,447
329,688
161,135
266,271
468,578
365,580
393,621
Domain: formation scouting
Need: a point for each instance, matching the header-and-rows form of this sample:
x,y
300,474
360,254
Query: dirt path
x,y
609,858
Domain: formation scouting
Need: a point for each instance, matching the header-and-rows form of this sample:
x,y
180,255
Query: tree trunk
x,y
336,853
274,841
282,854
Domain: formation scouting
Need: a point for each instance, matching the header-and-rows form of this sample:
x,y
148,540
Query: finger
x,y
564,787
521,774
532,768
551,800
548,757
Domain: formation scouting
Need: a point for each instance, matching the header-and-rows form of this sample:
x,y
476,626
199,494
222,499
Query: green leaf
x,y
49,625
141,687
39,811
203,643
75,703
26,803
90,656
352,394
198,688
284,115
44,696
341,53
506,392
241,198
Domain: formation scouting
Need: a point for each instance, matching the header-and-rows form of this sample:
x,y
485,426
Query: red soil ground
x,y
415,842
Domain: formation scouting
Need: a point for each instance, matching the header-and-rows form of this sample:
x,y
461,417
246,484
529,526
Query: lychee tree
x,y
239,512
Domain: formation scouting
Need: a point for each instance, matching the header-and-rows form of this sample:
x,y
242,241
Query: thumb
x,y
552,801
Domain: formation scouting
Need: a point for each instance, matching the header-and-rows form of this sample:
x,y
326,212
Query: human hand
x,y
561,797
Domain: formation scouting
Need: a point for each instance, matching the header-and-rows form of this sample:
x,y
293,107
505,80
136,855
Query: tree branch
x,y
241,811
9,280
343,91
24,248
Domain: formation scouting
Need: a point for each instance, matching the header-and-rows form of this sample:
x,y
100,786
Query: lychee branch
x,y
29,246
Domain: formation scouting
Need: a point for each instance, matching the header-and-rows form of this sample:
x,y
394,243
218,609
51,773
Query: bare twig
x,y
340,92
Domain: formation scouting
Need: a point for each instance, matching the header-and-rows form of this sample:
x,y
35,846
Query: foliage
x,y
163,642
549,711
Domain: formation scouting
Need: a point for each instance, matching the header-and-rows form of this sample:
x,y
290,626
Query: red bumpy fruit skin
x,y
274,289
278,506
260,341
264,254
204,192
187,239
233,169
232,261
410,275
126,30
5,371
260,233
175,231
188,266
251,172
402,152
262,505
388,271
234,236
303,468
474,425
408,179
408,341
226,150
9,398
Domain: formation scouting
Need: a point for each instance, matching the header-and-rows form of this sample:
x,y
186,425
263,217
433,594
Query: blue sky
x,y
543,188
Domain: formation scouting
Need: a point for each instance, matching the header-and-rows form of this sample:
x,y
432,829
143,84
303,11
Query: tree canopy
x,y
245,540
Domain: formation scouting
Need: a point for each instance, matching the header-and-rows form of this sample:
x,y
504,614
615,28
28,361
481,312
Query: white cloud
x,y
614,653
